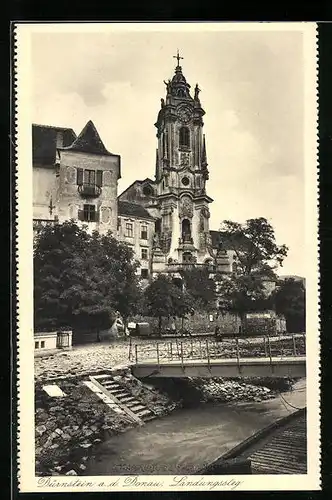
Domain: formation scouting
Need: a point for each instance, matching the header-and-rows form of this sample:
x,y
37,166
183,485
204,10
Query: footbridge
x,y
256,357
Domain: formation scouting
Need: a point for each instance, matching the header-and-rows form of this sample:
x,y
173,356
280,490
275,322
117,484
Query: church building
x,y
164,219
177,196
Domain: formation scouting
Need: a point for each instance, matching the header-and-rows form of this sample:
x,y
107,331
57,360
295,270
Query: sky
x,y
251,90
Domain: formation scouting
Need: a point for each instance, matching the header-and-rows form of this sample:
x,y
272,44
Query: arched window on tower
x,y
184,137
186,231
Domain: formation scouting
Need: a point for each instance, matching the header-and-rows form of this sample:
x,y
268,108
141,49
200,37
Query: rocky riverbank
x,y
67,429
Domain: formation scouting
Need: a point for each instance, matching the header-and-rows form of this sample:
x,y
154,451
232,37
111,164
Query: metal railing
x,y
206,349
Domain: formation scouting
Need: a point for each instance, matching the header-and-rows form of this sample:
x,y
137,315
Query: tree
x,y
81,279
182,302
158,298
201,287
257,256
254,246
164,299
289,300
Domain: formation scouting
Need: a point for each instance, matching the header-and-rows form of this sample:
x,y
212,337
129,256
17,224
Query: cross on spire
x,y
178,57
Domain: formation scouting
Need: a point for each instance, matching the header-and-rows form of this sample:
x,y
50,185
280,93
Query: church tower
x,y
181,173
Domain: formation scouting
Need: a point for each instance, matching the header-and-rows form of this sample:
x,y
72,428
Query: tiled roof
x,y
138,181
133,210
44,142
226,240
89,141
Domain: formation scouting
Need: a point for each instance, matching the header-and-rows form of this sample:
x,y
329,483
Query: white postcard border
x,y
27,480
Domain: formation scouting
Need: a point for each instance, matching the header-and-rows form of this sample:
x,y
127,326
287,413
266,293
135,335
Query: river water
x,y
188,439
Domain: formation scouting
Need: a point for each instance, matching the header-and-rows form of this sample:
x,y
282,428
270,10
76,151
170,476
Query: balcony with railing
x,y
89,190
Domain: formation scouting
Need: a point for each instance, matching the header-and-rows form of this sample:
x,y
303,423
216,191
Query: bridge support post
x,y
238,355
304,342
181,347
265,349
136,357
270,355
129,355
158,354
281,346
294,345
208,355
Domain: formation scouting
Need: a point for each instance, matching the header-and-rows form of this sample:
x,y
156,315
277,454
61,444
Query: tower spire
x,y
204,162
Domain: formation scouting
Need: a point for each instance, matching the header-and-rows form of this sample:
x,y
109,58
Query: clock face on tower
x,y
184,114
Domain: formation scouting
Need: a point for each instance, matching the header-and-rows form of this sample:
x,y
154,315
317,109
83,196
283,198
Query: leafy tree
x,y
158,298
289,300
255,247
257,256
202,289
81,279
182,302
164,299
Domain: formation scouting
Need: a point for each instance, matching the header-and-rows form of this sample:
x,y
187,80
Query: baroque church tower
x,y
182,232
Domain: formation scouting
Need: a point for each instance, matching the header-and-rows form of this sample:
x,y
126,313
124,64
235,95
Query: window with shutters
x,y
42,344
144,232
129,230
89,213
144,254
99,178
36,345
89,177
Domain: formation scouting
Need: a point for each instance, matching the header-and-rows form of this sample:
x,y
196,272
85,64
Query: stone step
x,y
127,398
112,385
103,377
119,394
147,417
145,413
135,406
114,390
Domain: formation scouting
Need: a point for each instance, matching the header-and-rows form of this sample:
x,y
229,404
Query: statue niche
x,y
186,207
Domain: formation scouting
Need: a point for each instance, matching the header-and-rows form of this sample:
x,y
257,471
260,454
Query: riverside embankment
x,y
71,431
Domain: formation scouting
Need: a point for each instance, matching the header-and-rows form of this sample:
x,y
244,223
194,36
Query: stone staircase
x,y
121,398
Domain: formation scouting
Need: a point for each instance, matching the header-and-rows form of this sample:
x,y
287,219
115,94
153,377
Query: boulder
x,y
41,429
71,472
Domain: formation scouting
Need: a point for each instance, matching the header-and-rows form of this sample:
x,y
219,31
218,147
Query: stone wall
x,y
199,322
